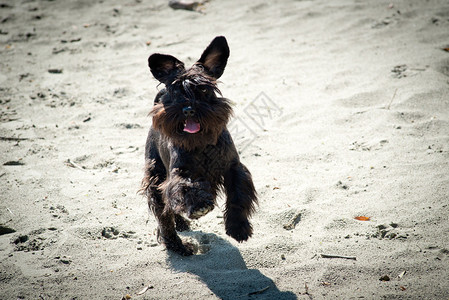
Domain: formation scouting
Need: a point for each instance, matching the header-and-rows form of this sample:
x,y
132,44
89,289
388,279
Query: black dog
x,y
189,153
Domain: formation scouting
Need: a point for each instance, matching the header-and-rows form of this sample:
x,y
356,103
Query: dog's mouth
x,y
191,126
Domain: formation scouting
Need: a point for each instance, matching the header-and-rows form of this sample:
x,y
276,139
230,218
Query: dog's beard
x,y
192,133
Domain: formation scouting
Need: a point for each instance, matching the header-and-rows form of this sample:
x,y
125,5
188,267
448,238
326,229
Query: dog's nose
x,y
188,111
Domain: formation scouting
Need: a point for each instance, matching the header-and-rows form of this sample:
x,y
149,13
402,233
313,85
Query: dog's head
x,y
188,110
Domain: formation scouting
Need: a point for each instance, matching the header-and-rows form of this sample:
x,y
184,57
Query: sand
x,y
341,110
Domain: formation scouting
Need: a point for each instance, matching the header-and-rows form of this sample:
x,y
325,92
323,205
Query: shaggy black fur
x,y
189,153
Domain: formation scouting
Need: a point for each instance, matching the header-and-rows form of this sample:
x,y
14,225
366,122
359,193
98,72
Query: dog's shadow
x,y
222,268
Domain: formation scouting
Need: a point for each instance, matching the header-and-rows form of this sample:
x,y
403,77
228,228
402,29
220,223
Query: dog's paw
x,y
184,248
200,209
192,199
240,230
177,245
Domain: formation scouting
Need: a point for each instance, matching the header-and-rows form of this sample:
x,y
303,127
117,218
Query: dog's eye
x,y
204,91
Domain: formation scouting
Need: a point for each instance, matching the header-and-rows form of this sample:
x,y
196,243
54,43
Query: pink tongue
x,y
191,126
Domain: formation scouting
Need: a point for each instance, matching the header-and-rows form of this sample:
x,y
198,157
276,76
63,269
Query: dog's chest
x,y
210,163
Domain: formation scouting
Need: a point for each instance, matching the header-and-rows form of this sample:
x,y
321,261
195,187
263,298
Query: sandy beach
x,y
341,113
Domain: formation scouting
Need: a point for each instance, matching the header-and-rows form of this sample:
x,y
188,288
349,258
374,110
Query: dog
x,y
189,153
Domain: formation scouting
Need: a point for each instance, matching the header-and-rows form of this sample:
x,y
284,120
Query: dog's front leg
x,y
240,203
166,231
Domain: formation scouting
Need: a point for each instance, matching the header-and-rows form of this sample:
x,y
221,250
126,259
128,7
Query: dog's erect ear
x,y
215,57
164,67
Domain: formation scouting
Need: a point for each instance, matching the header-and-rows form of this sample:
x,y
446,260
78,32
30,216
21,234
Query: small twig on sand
x,y
14,139
293,221
307,291
17,139
186,4
338,256
144,290
306,287
392,98
74,165
259,291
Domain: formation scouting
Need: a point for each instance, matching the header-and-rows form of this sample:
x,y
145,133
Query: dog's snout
x,y
188,111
